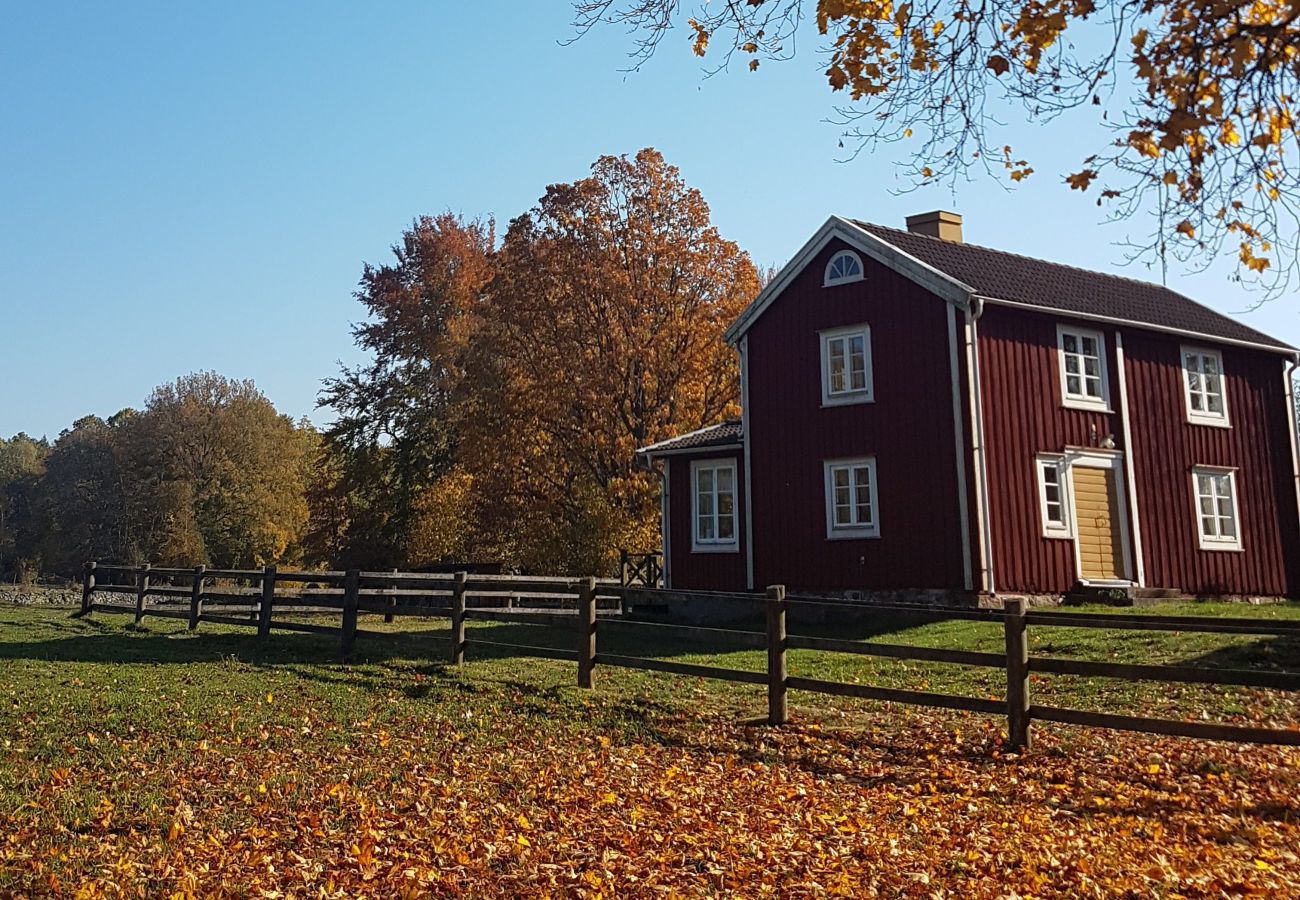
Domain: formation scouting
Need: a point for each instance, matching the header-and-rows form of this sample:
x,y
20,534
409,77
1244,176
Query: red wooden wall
x,y
909,429
1023,416
703,571
1166,447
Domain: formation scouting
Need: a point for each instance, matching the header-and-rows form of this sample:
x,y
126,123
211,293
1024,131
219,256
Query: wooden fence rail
x,y
391,594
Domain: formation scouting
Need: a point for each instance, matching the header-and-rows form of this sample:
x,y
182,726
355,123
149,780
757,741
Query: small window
x,y
714,506
1203,380
1083,368
846,366
851,504
1053,500
1216,508
843,268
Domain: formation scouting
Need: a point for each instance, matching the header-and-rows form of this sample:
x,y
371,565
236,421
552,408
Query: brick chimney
x,y
946,226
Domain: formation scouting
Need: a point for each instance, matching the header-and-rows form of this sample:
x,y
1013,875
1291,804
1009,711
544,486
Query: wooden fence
x,y
392,594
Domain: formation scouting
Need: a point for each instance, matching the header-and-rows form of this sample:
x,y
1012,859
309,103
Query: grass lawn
x,y
156,762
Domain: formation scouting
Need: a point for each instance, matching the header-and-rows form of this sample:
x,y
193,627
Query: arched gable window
x,y
843,268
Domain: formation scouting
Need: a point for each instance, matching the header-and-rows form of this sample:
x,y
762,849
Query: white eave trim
x,y
653,450
1134,323
857,237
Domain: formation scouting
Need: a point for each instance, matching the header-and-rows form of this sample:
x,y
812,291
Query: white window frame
x,y
866,394
855,530
715,544
1202,417
828,281
1084,400
1216,542
1064,527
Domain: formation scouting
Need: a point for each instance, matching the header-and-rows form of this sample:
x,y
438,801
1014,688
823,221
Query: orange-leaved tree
x,y
601,333
1199,98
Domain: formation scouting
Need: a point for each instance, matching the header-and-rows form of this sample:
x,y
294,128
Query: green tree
x,y
22,462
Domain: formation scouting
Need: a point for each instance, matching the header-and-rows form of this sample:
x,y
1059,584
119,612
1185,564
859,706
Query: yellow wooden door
x,y
1098,533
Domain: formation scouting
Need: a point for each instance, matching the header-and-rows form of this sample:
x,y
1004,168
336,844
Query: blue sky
x,y
191,187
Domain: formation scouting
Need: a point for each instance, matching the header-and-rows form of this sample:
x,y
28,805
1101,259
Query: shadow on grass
x,y
1280,653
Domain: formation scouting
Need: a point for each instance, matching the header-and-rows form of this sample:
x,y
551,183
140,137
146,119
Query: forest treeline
x,y
506,386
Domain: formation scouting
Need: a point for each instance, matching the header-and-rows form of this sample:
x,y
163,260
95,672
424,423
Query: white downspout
x,y
975,309
959,455
1129,465
665,531
745,442
1289,374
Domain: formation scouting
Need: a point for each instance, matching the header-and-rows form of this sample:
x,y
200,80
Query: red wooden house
x,y
921,413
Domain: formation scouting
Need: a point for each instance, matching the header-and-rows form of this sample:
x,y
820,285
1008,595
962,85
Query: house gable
x,y
859,239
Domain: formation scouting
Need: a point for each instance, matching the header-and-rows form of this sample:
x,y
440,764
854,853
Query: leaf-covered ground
x,y
157,763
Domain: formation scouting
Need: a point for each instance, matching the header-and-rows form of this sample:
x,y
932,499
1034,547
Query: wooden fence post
x,y
351,597
88,587
623,576
268,598
141,590
1018,737
458,619
392,601
586,631
777,711
196,597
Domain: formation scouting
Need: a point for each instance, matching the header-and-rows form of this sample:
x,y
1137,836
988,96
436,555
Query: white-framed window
x,y
713,507
1053,495
1207,401
846,366
1083,368
1215,490
852,504
844,267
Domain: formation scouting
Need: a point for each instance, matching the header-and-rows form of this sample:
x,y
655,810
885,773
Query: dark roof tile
x,y
999,275
721,434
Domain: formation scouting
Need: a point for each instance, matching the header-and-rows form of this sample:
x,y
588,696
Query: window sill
x,y
1222,548
1058,535
728,547
1070,403
1209,421
860,534
847,399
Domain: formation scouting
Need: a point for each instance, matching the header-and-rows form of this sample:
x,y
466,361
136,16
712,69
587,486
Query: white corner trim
x,y
665,525
978,457
1288,378
749,488
959,455
1126,432
866,243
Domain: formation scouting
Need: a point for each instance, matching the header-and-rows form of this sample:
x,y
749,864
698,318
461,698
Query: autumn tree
x,y
1198,96
214,474
395,435
601,333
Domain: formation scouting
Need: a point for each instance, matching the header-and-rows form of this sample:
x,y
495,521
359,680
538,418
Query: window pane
x,y
1070,343
1091,366
704,480
724,478
1223,484
1073,385
1227,528
1213,402
1192,362
1072,365
1089,346
1207,526
726,527
1203,486
1210,365
705,505
1093,387
705,528
726,504
1207,506
841,477
843,515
